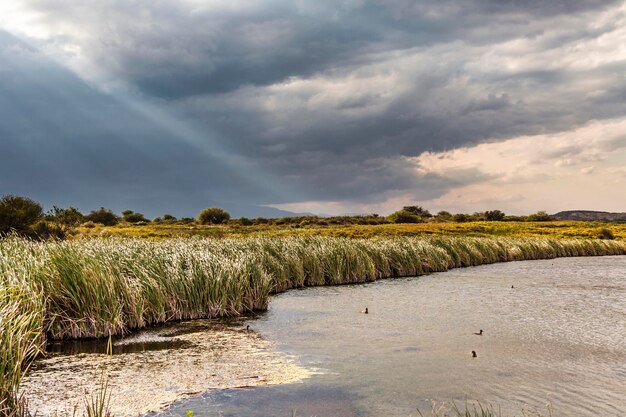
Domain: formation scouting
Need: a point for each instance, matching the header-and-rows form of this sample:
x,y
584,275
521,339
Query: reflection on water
x,y
74,347
301,400
558,336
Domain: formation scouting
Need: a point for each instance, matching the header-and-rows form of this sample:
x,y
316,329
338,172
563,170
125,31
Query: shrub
x,y
417,210
605,233
169,218
89,224
493,215
132,217
69,216
461,218
18,213
404,216
213,215
102,216
244,221
540,216
47,230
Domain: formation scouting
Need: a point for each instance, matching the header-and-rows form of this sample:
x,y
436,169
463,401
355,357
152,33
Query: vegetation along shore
x,y
101,287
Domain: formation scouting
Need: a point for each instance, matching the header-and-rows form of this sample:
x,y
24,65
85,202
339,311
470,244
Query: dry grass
x,y
552,229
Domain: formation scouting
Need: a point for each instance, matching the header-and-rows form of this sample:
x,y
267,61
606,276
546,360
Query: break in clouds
x,y
326,105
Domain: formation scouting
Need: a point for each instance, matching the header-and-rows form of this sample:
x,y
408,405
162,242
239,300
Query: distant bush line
x,y
26,217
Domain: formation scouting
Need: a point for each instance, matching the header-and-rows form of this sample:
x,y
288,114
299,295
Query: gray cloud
x,y
66,143
318,101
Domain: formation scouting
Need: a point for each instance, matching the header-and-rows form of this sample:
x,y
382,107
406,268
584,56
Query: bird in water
x,y
365,311
474,355
480,333
248,328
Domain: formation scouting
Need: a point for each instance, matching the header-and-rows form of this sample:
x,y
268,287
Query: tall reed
x,y
21,339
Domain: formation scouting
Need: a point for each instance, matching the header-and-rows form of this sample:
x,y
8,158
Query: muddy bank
x,y
154,368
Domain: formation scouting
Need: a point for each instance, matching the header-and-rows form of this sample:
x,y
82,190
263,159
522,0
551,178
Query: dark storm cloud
x,y
64,143
331,97
171,49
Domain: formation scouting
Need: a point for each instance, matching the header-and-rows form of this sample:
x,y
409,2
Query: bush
x,y
47,230
102,216
69,216
213,215
605,233
461,218
132,217
494,215
169,218
89,224
244,221
417,210
540,216
404,216
18,213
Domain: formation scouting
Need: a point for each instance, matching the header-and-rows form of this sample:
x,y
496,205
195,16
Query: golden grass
x,y
553,229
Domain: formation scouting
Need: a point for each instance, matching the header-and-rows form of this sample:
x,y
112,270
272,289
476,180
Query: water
x,y
558,337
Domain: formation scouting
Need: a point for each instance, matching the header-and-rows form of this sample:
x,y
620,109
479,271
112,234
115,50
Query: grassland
x,y
110,286
551,229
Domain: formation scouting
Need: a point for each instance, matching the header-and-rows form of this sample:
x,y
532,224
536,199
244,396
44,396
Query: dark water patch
x,y
162,337
100,346
200,326
302,400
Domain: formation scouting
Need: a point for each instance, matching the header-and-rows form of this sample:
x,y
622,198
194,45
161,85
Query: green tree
x,y
404,216
494,215
132,217
540,216
417,210
68,216
244,221
102,216
18,213
461,217
213,215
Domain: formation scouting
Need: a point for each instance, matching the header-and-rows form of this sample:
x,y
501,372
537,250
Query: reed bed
x,y
105,287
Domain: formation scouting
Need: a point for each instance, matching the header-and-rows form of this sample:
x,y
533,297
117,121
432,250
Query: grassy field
x,y
100,287
552,229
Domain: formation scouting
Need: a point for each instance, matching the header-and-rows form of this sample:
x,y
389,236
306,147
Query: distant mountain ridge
x,y
589,215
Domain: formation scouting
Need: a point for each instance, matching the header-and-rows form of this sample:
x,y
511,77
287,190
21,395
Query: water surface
x,y
558,337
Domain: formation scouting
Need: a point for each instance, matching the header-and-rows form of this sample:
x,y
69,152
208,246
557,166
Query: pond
x,y
554,333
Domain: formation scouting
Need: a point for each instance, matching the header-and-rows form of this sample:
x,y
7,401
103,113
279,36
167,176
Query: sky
x,y
353,106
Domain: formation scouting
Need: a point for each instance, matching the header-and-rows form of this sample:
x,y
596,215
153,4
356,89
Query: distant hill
x,y
252,211
589,215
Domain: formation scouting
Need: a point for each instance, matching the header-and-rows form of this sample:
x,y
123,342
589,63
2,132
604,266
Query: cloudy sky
x,y
318,106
